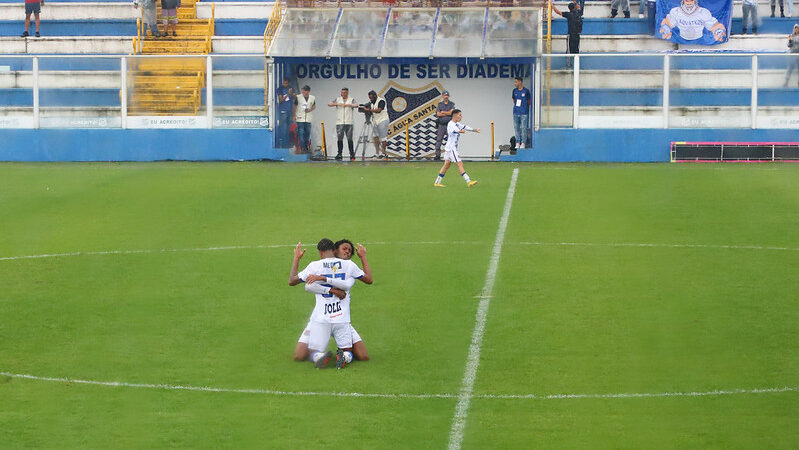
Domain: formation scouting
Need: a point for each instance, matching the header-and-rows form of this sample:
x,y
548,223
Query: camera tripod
x,y
364,138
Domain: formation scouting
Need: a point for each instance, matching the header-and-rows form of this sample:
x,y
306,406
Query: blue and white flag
x,y
702,22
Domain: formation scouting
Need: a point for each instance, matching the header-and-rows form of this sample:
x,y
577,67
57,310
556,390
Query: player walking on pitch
x,y
454,130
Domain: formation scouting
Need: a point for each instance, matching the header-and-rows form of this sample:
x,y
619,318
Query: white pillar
x,y
754,91
537,93
576,94
209,91
123,91
35,92
666,70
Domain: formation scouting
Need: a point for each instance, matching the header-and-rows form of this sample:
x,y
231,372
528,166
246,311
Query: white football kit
x,y
331,315
453,135
691,24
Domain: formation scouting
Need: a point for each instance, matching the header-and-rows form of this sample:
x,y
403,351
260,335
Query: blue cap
x,y
445,93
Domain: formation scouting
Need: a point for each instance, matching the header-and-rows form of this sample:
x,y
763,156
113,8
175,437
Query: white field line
x,y
473,357
267,246
654,245
279,393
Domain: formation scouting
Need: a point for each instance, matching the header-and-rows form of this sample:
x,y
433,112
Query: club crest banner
x,y
702,22
414,109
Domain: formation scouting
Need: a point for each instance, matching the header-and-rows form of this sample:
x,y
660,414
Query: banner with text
x,y
412,93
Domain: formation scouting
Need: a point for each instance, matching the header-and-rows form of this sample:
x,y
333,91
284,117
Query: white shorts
x,y
321,332
307,332
380,130
452,155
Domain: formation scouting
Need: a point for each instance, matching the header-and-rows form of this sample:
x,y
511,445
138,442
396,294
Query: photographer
x,y
443,116
379,123
344,105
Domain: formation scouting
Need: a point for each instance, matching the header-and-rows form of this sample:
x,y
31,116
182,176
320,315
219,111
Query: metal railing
x,y
672,90
103,77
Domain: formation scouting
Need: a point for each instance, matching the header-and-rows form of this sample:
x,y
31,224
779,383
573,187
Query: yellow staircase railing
x,y
271,26
172,86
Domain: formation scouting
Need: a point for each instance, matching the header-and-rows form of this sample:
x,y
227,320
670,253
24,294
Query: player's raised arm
x,y
367,271
295,265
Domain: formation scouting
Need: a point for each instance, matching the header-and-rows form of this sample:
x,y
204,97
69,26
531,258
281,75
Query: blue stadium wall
x,y
632,145
140,145
551,145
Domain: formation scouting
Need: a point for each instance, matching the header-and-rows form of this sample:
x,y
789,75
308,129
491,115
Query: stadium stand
x,y
611,87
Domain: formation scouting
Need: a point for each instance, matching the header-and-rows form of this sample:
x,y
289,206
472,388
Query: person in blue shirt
x,y
522,99
285,109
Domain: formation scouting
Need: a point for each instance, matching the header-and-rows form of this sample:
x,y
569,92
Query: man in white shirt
x,y
454,130
379,123
345,106
331,314
305,104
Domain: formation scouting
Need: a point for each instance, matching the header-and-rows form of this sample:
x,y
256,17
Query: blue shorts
x,y
33,8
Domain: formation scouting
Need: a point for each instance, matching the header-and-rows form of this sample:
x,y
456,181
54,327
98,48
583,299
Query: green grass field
x,y
652,279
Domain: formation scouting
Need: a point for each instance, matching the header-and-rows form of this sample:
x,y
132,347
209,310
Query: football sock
x,y
440,178
315,356
466,177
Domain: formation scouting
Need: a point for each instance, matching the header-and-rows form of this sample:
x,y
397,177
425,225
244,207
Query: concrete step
x,y
124,10
111,80
704,117
594,9
645,43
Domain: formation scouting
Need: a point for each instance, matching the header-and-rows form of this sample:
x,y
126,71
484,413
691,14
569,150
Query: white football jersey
x,y
328,307
691,24
454,134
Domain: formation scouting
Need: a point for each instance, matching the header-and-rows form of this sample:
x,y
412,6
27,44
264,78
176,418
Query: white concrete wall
x,y
601,9
98,11
110,80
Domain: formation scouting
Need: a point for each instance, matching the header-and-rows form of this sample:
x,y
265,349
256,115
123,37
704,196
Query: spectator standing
x,y
443,116
574,19
285,108
793,50
782,7
652,13
522,99
625,7
169,15
149,16
32,7
344,105
749,15
304,106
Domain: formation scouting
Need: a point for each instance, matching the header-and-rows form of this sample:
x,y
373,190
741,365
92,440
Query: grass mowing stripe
x,y
473,357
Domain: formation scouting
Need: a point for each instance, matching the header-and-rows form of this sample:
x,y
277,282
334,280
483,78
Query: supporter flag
x,y
702,22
